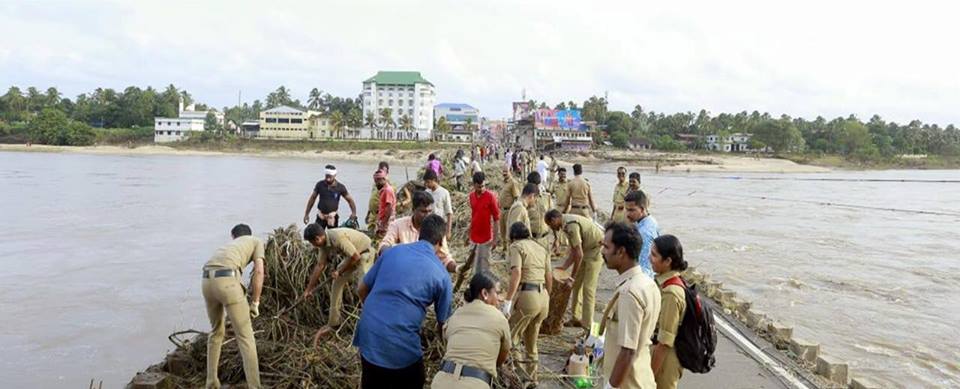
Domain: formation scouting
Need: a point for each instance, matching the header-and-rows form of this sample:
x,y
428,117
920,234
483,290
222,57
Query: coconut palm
x,y
386,118
315,100
370,120
338,121
443,127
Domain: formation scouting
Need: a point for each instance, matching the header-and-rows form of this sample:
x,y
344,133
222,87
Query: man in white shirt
x,y
543,168
442,206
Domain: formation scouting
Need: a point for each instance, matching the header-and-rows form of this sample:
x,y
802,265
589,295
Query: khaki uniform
x,y
582,231
508,194
538,226
517,213
476,334
345,242
561,190
228,294
673,302
619,192
531,306
580,197
630,324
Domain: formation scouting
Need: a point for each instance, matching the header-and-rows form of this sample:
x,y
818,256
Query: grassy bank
x,y
879,163
232,144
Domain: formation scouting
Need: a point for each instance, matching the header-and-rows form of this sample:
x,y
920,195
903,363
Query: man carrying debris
x,y
223,291
396,292
585,239
407,229
329,191
353,247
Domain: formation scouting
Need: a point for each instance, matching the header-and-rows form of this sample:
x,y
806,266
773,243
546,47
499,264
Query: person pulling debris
x,y
327,193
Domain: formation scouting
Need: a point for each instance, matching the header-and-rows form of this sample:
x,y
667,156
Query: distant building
x,y
457,117
285,122
250,128
405,94
175,129
738,143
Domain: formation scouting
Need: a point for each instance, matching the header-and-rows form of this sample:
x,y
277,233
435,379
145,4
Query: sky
x,y
829,58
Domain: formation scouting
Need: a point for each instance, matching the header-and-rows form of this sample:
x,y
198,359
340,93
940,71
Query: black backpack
x,y
696,338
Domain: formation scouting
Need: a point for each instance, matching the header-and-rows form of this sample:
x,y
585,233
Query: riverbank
x,y
414,152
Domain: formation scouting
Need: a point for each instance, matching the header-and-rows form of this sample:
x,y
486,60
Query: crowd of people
x,y
402,266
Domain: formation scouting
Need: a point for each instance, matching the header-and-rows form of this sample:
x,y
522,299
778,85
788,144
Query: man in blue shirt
x,y
637,206
396,292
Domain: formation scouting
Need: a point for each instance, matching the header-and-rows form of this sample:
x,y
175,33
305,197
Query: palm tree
x,y
315,99
443,127
386,117
406,124
338,121
370,120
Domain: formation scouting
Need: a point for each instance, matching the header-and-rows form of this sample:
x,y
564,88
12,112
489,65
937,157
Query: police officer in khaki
x,y
666,258
353,247
580,201
477,336
585,239
508,194
631,315
538,228
560,189
518,211
619,192
530,285
223,291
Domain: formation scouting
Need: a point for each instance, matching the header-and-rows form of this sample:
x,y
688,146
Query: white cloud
x,y
801,58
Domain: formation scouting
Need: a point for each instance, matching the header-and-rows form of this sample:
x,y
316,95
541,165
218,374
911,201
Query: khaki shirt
x,y
619,192
344,241
583,232
510,192
579,192
532,259
538,226
237,254
673,302
518,213
562,191
630,324
476,334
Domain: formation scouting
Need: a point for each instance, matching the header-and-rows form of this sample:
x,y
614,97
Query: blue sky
x,y
808,58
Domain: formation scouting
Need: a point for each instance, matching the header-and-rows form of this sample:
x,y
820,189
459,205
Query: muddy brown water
x,y
101,254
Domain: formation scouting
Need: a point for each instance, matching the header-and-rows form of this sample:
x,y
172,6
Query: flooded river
x,y
101,254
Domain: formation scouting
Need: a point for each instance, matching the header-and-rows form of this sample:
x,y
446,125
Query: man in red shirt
x,y
484,226
388,202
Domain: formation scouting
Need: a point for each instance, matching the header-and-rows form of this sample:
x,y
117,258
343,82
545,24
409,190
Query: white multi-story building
x,y
736,142
175,129
406,94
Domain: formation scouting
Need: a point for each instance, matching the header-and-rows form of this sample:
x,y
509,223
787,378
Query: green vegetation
x,y
231,143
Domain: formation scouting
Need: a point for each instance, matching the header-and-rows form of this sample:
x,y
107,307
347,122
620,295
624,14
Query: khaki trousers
x,y
529,312
336,293
585,288
443,380
585,212
670,371
227,294
504,230
619,215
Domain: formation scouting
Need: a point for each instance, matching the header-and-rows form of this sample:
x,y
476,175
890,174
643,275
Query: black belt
x,y
218,273
467,371
543,235
526,286
580,206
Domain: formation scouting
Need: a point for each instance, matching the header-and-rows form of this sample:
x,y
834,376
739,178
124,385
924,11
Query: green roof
x,y
398,78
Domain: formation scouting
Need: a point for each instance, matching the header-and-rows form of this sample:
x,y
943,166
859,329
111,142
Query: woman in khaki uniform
x,y
530,284
666,258
477,336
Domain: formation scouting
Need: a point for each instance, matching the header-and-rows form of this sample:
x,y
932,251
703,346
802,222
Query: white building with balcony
x,y
406,94
736,142
175,129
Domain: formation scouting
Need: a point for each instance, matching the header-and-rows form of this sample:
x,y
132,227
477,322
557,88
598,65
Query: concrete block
x,y
177,364
726,299
863,383
804,350
779,334
152,381
713,289
756,320
741,308
832,369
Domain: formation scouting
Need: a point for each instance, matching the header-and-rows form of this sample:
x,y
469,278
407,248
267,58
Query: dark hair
x,y
626,236
240,230
431,157
383,165
552,214
313,231
433,228
561,169
577,169
430,175
669,247
519,231
421,199
639,198
530,189
533,178
481,281
634,175
331,167
479,178
541,156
